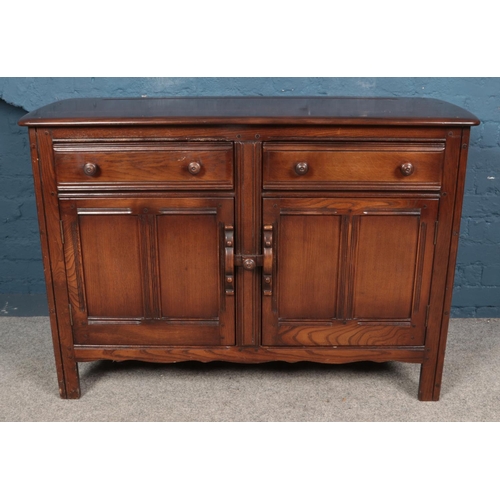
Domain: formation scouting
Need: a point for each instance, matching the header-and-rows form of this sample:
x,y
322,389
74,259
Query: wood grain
x,y
370,250
248,239
249,354
445,260
385,266
126,165
112,265
200,133
152,332
258,110
189,266
362,257
455,234
57,342
147,270
308,290
57,270
346,333
351,165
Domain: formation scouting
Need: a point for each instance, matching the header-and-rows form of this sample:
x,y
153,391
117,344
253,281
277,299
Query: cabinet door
x,y
148,271
348,272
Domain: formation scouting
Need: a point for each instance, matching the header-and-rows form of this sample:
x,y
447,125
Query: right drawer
x,y
356,165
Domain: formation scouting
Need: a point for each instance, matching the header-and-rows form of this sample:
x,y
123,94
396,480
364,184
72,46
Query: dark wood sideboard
x,y
249,229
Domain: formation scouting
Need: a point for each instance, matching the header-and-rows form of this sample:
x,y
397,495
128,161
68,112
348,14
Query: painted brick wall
x,y
477,286
21,268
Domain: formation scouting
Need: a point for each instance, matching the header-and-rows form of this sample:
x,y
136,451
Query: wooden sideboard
x,y
249,229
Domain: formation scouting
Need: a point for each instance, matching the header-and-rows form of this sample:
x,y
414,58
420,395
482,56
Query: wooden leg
x,y
430,381
68,378
67,368
72,381
431,372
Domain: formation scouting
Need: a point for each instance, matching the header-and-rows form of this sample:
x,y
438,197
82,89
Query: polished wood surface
x,y
350,272
110,248
257,110
351,165
249,229
118,166
304,289
147,270
235,354
386,265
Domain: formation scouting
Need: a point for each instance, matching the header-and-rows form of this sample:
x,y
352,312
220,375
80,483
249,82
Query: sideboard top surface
x,y
251,111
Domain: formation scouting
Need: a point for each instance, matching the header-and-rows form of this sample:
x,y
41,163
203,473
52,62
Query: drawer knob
x,y
194,168
301,168
407,169
90,169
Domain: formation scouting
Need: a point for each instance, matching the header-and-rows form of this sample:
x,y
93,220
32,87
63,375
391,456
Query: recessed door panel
x,y
385,265
148,271
348,272
189,266
111,264
308,258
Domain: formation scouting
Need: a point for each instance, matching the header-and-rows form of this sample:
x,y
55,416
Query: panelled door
x,y
347,271
148,270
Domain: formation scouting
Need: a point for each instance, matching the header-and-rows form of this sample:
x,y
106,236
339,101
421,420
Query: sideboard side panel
x,y
56,273
455,234
46,261
453,178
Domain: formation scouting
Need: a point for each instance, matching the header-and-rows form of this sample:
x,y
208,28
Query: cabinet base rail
x,y
237,354
429,386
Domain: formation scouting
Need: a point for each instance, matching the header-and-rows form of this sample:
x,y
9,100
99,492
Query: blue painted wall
x,y
477,286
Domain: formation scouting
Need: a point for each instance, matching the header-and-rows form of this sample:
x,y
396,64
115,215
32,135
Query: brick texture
x,y
21,269
477,284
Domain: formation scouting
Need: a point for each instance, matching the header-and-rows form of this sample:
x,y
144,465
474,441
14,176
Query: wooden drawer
x,y
116,166
367,165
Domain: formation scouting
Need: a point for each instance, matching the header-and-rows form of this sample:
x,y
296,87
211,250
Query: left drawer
x,y
157,165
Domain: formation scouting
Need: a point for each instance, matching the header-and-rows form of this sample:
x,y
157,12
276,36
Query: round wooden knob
x,y
301,168
90,169
249,264
407,169
194,168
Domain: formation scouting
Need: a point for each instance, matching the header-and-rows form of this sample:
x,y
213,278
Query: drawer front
x,y
353,166
114,166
